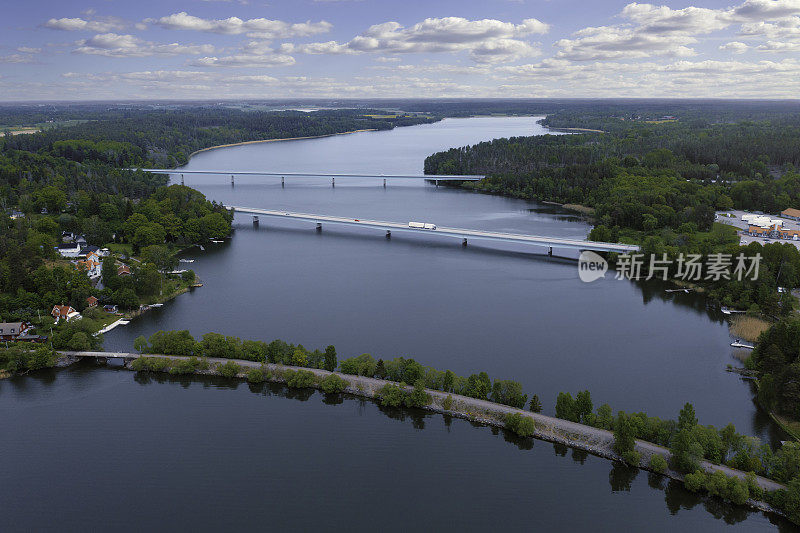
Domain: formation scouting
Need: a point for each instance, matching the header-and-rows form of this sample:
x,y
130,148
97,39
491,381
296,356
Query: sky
x,y
262,49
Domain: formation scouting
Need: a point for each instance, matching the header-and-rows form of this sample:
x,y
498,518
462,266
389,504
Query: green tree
x,y
583,406
565,407
126,298
160,256
79,341
687,418
536,405
299,357
419,396
140,344
624,436
330,361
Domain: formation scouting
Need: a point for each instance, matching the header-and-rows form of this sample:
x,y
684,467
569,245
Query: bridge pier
x,y
232,180
333,182
437,183
255,220
282,178
464,243
181,179
319,226
384,183
550,251
388,234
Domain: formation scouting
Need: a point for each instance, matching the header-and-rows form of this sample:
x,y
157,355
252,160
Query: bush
x,y
392,396
632,457
523,426
695,481
153,364
229,369
300,379
256,375
419,396
332,383
658,464
185,366
448,402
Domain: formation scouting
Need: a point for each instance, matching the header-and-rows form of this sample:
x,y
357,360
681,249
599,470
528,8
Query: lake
x,y
129,452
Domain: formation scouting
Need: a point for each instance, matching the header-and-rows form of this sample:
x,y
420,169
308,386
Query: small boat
x,y
727,311
201,247
687,291
737,344
216,241
157,305
186,260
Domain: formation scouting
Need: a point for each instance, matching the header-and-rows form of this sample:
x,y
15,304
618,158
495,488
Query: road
x,y
469,234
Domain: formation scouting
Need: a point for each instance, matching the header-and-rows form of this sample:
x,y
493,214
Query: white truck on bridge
x,y
421,225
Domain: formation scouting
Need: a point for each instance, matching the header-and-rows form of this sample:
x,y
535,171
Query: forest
x,y
167,137
74,180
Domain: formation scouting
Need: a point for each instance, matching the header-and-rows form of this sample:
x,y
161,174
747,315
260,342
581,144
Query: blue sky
x,y
228,49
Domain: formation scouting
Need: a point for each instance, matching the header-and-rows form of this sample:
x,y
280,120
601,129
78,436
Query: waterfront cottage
x,y
65,312
11,331
91,301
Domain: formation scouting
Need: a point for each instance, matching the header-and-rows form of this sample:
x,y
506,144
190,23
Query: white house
x,y
72,249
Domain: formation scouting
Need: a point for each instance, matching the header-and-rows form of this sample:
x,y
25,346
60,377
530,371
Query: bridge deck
x,y
538,240
439,177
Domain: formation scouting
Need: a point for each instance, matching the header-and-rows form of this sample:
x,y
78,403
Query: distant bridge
x,y
283,175
464,234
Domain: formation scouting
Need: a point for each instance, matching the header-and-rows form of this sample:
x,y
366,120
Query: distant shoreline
x,y
278,140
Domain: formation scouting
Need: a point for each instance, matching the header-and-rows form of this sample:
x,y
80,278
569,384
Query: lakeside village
x,y
90,260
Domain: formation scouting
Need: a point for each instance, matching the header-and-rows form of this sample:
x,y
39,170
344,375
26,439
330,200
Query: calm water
x,y
169,453
96,449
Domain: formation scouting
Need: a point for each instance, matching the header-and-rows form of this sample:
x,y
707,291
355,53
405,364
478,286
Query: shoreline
x,y
598,442
278,140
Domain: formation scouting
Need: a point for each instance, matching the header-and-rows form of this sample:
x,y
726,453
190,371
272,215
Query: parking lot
x,y
745,239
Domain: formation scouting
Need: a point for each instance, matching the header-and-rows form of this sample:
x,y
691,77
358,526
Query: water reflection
x,y
621,477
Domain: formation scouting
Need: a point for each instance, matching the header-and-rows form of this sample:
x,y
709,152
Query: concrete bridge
x,y
463,234
436,178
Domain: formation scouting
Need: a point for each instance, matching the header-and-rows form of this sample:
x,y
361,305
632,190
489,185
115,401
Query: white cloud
x,y
245,60
615,42
662,31
486,40
79,24
778,46
29,50
115,45
257,28
16,58
734,47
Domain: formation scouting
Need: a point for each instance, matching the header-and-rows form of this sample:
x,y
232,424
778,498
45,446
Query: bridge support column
x,y
464,242
388,234
333,182
319,226
282,182
437,183
181,179
232,180
550,251
384,183
255,220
